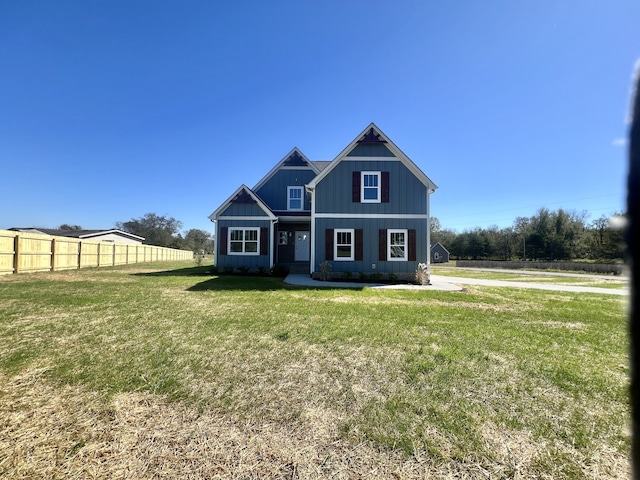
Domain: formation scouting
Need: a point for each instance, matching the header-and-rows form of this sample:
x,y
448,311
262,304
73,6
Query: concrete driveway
x,y
446,283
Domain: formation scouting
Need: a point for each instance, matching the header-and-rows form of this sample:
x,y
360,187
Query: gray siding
x,y
243,210
274,191
249,261
371,227
407,195
370,150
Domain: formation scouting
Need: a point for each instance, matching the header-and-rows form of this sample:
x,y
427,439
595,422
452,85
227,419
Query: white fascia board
x,y
252,219
280,164
401,216
216,214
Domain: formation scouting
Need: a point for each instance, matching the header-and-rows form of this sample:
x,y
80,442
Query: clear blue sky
x,y
111,109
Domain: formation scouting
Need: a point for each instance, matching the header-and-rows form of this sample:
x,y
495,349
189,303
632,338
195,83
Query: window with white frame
x,y
370,183
244,241
397,245
343,244
294,198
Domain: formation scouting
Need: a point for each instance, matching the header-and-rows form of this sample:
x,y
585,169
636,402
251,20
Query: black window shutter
x,y
359,244
264,241
328,244
223,240
355,187
382,245
384,195
412,245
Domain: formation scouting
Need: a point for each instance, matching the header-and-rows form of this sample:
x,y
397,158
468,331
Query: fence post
x,y
16,253
79,254
113,255
53,254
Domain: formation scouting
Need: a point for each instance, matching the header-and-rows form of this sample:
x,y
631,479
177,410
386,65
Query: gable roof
x,y
56,232
245,195
439,245
295,158
372,134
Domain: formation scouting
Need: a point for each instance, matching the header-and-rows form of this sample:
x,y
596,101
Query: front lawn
x,y
165,370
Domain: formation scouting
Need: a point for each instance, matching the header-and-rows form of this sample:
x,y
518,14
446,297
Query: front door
x,y
302,246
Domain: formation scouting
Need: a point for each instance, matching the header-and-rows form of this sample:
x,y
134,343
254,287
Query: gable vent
x,y
371,137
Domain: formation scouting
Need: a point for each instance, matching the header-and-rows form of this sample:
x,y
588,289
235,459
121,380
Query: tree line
x,y
546,236
162,231
165,232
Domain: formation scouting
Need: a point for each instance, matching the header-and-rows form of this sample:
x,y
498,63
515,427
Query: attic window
x,y
370,187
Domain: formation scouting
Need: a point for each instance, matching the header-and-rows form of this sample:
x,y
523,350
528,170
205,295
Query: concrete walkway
x,y
442,283
305,280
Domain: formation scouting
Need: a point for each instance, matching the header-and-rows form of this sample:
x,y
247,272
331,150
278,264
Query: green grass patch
x,y
442,376
578,279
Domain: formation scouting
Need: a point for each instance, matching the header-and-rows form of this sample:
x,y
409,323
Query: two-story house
x,y
365,211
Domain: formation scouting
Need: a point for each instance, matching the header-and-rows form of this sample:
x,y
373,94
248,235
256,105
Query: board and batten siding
x,y
370,244
274,191
370,150
240,209
249,261
407,195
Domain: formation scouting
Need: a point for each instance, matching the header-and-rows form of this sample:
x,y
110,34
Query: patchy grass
x,y
578,279
166,371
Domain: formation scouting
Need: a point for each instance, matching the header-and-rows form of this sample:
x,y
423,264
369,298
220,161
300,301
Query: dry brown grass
x,y
47,431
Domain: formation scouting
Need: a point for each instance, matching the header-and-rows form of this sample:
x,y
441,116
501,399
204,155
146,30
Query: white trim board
x,y
404,216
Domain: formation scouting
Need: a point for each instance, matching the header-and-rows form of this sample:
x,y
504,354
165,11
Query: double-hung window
x,y
370,183
343,244
244,241
295,200
397,245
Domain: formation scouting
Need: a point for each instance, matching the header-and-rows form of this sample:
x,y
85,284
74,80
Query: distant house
x,y
439,254
100,235
366,211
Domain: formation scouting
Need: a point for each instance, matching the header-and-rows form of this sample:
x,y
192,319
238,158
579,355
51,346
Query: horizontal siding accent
x,y
371,215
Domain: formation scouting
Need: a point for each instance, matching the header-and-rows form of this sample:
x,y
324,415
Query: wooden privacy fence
x,y
30,252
